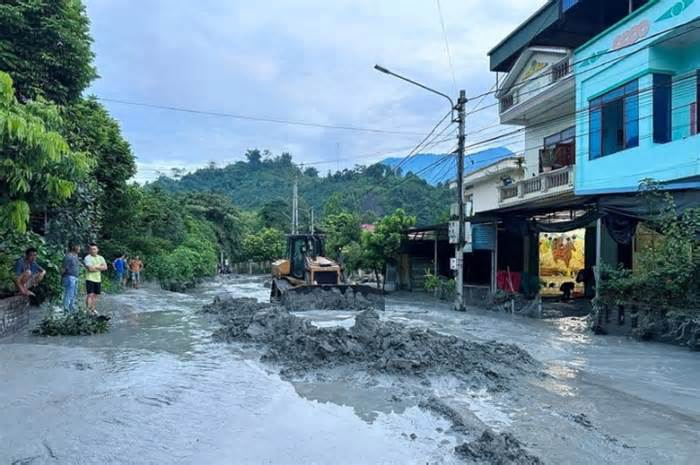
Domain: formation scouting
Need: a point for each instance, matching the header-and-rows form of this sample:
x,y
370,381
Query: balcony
x,y
554,82
546,184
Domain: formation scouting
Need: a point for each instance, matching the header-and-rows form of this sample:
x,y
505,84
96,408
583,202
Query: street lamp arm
x,y
403,78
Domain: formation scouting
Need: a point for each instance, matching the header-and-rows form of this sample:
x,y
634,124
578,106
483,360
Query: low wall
x,y
252,268
14,314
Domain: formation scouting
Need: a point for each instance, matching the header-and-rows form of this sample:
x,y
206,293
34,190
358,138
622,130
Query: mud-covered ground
x,y
160,389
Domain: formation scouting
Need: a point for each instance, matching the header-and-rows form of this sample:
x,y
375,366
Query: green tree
x,y
265,245
38,166
45,47
89,128
384,244
275,214
341,230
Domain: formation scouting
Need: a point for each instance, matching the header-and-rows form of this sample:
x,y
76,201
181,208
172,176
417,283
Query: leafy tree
x,y
311,172
89,128
45,47
276,214
224,218
38,166
341,229
384,244
265,245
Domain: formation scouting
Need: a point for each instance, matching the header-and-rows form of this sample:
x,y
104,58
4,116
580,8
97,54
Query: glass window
x,y
662,108
614,121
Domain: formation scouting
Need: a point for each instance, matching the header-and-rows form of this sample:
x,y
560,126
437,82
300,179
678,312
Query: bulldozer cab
x,y
300,246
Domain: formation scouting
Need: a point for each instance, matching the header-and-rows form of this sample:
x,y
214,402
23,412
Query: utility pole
x,y
295,207
459,249
461,117
312,220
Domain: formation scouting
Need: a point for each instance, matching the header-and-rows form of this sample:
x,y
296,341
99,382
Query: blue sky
x,y
304,60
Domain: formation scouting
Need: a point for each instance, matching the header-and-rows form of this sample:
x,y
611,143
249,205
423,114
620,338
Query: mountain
x,y
428,165
265,184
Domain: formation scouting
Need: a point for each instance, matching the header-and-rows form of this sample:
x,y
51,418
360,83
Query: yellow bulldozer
x,y
307,280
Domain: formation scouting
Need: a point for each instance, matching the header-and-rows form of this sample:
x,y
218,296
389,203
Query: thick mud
x,y
382,347
158,389
496,449
370,344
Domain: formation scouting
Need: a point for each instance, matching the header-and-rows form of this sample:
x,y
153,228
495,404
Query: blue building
x,y
605,93
636,101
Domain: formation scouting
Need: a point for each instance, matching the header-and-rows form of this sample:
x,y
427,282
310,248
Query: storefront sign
x,y
632,35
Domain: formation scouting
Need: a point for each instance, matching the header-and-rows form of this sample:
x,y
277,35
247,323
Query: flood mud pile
x,y
371,344
496,448
341,297
384,347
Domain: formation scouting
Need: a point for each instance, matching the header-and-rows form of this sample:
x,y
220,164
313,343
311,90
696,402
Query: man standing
x,y
135,266
95,265
120,269
28,273
71,272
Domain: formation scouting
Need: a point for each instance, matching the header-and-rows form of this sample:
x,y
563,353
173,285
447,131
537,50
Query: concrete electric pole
x,y
295,207
461,116
459,249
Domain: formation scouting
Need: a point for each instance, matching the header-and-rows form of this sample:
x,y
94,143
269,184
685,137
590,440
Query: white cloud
x,y
305,60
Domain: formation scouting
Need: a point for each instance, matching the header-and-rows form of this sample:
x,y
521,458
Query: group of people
x,y
28,274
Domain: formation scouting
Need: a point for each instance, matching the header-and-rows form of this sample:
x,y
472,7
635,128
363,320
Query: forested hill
x,y
265,182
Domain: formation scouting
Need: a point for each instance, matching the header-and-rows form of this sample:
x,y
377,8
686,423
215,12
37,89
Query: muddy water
x,y
157,389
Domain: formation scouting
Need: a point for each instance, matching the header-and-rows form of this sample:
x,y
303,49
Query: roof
x,y
550,26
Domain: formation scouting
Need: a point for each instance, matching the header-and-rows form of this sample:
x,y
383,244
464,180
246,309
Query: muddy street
x,y
158,388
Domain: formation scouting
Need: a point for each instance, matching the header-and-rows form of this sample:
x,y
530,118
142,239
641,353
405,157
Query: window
x,y
558,150
662,108
614,121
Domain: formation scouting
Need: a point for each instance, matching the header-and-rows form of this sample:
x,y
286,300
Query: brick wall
x,y
14,314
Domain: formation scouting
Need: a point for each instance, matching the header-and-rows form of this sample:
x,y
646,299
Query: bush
x,y
444,288
71,324
190,262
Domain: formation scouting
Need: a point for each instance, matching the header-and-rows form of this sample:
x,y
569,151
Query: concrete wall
x,y
606,62
14,315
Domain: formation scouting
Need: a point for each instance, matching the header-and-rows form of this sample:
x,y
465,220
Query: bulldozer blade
x,y
336,297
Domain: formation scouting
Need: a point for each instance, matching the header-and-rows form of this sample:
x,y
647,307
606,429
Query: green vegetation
x,y
65,169
442,287
667,272
264,183
71,324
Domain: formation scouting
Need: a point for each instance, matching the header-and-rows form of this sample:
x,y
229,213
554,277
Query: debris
x,y
72,324
374,345
496,449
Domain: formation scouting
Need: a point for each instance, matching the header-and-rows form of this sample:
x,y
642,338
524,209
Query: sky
x,y
304,60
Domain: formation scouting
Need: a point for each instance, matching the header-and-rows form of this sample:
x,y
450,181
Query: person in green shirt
x,y
95,265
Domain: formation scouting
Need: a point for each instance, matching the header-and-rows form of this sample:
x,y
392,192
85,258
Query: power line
x,y
259,118
447,43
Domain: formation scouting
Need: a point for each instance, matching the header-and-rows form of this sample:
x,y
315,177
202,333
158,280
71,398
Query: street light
x,y
403,78
461,117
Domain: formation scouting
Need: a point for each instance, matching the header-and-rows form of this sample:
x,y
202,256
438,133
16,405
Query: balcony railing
x,y
560,180
507,102
561,69
556,72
